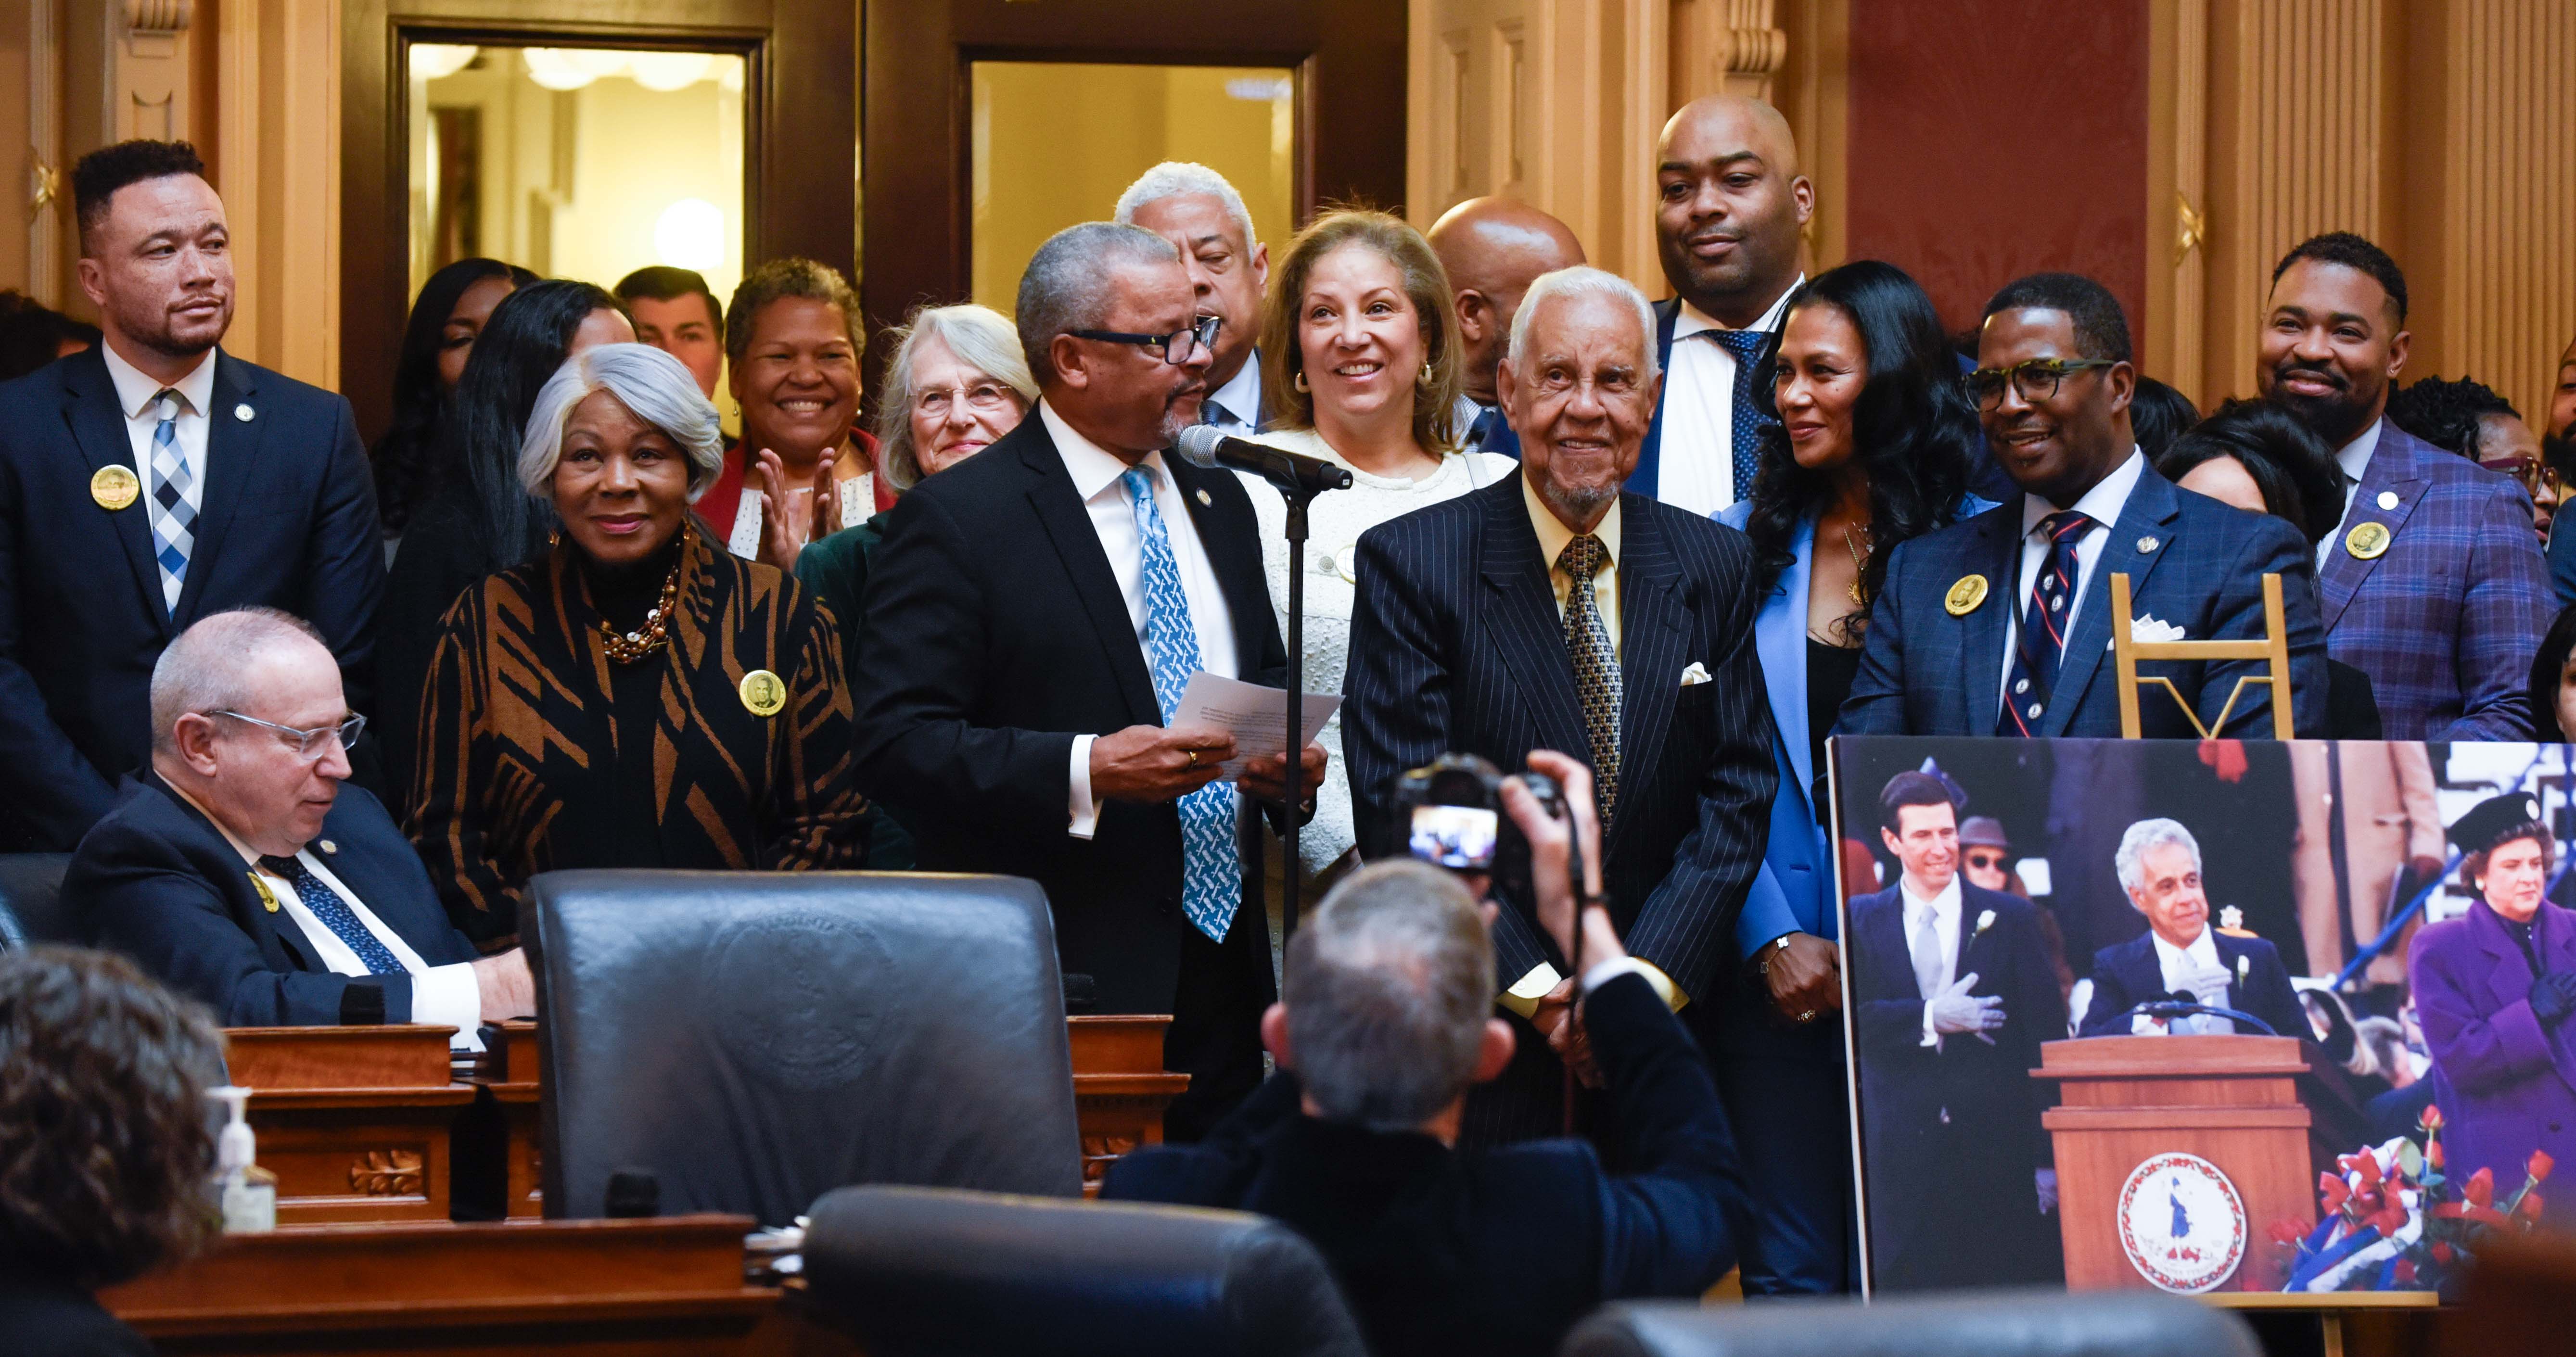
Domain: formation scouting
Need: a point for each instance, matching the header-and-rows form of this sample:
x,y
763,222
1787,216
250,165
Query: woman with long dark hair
x,y
482,520
1872,448
446,319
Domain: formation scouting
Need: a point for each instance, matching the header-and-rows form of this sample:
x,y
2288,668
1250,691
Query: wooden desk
x,y
626,1286
354,1121
511,1073
1120,1087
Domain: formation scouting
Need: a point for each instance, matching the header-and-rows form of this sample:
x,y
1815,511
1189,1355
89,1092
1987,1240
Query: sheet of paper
x,y
1257,717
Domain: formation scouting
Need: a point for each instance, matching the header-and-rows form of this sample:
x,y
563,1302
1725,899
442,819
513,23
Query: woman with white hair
x,y
637,696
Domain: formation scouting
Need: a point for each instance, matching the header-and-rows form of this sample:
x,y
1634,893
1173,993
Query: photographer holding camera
x,y
1386,1021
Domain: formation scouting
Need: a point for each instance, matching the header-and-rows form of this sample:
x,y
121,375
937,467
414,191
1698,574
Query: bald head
x,y
1492,250
1730,206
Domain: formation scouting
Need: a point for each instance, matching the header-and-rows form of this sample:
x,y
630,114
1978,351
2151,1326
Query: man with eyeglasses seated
x,y
2001,625
238,869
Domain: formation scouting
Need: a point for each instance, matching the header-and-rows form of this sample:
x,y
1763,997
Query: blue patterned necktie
x,y
174,519
335,914
1746,426
2041,642
1211,869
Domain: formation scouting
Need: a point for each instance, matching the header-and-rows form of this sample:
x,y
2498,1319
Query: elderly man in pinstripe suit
x,y
1552,611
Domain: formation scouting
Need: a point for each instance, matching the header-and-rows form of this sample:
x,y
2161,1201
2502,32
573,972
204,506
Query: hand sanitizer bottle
x,y
245,1192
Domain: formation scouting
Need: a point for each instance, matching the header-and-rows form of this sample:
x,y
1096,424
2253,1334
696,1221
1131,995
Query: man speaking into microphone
x,y
1042,607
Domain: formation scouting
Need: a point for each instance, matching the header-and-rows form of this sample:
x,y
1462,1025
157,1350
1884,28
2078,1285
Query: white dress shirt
x,y
2352,459
2182,967
2103,504
441,996
1944,909
1097,477
135,394
1236,406
1695,469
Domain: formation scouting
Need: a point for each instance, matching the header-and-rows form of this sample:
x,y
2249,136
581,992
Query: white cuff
x,y
1930,1037
1612,969
449,996
1086,816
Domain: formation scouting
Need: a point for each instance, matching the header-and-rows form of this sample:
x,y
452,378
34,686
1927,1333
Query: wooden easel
x,y
2274,648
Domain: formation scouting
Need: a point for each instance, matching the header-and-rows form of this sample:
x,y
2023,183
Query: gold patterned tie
x,y
1596,665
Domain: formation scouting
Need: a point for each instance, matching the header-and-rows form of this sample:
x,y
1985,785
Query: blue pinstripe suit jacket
x,y
1456,646
2446,620
2191,561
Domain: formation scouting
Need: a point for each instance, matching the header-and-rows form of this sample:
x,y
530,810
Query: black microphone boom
x,y
1204,445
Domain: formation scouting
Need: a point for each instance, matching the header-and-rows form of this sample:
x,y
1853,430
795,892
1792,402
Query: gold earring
x,y
1428,377
1300,382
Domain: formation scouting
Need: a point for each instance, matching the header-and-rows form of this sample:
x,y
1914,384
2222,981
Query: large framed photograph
x,y
2204,1016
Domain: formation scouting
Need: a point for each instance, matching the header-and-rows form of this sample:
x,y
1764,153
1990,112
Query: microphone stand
x,y
1294,867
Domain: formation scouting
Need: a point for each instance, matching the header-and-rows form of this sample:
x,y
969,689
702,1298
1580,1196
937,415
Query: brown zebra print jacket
x,y
520,769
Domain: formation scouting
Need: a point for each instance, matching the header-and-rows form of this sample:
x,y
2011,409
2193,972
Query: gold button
x,y
2367,541
763,693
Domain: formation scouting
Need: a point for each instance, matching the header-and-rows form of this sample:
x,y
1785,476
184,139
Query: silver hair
x,y
1582,280
1069,283
2146,834
203,670
1176,178
1388,988
651,384
980,337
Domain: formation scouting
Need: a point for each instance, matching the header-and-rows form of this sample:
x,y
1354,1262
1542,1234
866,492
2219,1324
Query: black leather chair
x,y
31,900
1960,1324
756,1039
916,1272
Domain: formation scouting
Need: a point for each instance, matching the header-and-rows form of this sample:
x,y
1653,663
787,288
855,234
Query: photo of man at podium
x,y
2180,958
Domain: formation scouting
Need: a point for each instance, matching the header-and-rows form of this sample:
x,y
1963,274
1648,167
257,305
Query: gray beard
x,y
1583,502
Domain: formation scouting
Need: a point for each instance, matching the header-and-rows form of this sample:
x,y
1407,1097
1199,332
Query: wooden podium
x,y
354,1121
2232,1101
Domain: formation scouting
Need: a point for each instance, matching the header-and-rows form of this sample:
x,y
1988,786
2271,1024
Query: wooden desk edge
x,y
2323,1300
750,1302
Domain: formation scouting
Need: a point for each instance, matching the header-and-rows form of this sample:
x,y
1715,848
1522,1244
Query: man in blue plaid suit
x,y
2001,625
2433,584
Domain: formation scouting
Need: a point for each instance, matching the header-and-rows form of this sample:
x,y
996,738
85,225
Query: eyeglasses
x,y
1984,861
307,744
1177,346
2037,380
2530,473
983,398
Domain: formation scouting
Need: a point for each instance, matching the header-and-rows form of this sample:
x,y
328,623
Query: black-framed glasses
x,y
1177,347
307,744
2037,380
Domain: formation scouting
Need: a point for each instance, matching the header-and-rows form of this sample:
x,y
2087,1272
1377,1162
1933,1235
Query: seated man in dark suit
x,y
2180,955
2001,625
1385,1024
237,868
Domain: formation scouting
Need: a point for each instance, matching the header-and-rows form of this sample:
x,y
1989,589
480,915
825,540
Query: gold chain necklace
x,y
1860,552
656,633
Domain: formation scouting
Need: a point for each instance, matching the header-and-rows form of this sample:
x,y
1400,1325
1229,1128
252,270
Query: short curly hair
x,y
2447,415
98,175
105,1144
790,277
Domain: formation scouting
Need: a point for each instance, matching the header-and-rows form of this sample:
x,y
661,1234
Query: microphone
x,y
1293,472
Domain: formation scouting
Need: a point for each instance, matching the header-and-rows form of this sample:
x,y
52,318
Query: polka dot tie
x,y
335,914
1596,666
1744,431
2041,642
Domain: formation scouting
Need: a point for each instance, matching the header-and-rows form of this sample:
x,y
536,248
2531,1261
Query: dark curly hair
x,y
104,1140
2352,252
2286,460
2447,414
98,175
2158,414
1913,431
406,462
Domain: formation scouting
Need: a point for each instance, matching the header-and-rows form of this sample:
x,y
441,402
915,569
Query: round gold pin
x,y
763,693
2367,541
1964,596
267,897
114,487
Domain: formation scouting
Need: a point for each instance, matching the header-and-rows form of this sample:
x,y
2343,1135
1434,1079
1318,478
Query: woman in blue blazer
x,y
1873,446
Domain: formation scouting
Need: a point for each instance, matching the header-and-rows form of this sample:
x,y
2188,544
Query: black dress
x,y
1830,671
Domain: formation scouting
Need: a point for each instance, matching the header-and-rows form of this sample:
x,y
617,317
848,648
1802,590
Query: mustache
x,y
2287,370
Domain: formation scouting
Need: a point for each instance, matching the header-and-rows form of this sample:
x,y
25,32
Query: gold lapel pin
x,y
114,487
327,846
1964,596
267,897
763,693
2367,541
1206,500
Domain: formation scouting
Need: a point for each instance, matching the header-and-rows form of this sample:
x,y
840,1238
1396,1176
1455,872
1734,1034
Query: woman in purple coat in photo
x,y
2495,989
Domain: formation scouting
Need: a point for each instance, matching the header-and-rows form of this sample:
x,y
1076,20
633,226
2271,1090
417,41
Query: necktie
x,y
1212,413
1482,431
1746,427
335,914
174,519
2041,643
1927,955
1211,870
1596,666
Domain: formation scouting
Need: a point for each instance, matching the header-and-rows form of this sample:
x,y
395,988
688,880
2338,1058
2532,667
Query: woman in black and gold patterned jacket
x,y
638,697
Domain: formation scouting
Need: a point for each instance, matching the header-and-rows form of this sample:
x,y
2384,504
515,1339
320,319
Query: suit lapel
x,y
1653,641
2392,470
1521,605
1067,523
1642,481
98,429
1981,645
232,458
1780,640
242,889
1883,935
1234,555
2149,516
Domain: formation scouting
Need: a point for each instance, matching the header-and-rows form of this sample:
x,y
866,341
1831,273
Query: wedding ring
x,y
1808,1016
1194,757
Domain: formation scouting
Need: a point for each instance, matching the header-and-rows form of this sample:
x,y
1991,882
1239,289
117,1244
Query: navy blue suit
x,y
1950,1134
1495,1251
2129,974
288,520
2191,561
159,882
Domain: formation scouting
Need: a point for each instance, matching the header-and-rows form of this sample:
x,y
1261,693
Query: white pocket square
x,y
1697,673
2149,629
